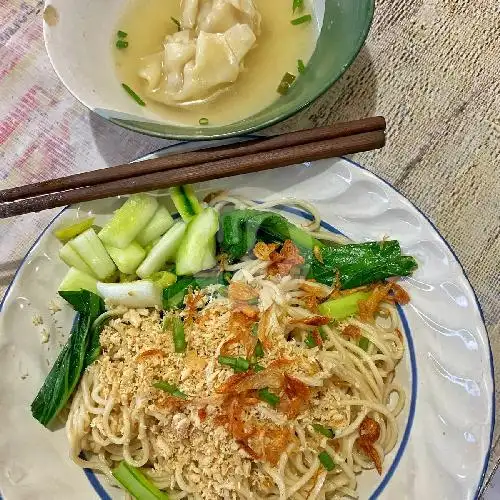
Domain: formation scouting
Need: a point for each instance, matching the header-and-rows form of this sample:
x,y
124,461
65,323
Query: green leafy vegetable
x,y
121,34
259,350
173,296
137,484
132,94
301,67
75,356
343,307
298,4
310,341
326,461
286,83
325,431
364,343
268,397
121,44
301,20
257,368
171,389
237,364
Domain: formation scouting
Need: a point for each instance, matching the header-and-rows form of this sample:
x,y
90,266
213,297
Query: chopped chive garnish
x,y
286,83
301,20
257,368
171,389
203,121
326,461
310,341
177,23
301,67
132,94
297,4
121,44
255,329
237,364
364,343
325,431
268,397
259,350
179,336
121,34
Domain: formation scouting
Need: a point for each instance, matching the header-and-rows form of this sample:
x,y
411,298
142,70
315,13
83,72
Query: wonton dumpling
x,y
217,16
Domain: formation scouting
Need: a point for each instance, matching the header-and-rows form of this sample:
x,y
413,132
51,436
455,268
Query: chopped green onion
x,y
323,334
301,20
364,343
286,83
325,431
268,397
255,329
132,94
177,23
121,34
203,121
136,483
310,341
253,302
297,4
121,44
237,364
178,334
171,389
326,461
257,368
259,350
301,67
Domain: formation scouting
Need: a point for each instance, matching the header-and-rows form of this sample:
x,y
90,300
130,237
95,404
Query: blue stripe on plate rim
x,y
103,495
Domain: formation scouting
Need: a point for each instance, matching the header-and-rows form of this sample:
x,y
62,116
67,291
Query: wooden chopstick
x,y
342,129
226,167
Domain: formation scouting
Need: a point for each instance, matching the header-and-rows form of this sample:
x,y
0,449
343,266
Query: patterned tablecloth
x,y
431,67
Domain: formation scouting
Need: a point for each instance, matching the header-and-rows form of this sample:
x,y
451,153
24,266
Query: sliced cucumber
x,y
164,251
128,259
163,279
135,294
197,249
75,280
70,257
185,201
67,233
129,220
161,222
90,248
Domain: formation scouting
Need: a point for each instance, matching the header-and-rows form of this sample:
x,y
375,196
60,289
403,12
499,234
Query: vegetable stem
x,y
237,364
268,397
326,461
137,484
132,94
301,20
171,389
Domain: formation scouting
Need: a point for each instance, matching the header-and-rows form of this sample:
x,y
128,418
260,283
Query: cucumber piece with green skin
x,y
90,248
185,202
161,222
343,307
70,257
164,251
197,245
76,280
67,233
163,279
128,259
129,220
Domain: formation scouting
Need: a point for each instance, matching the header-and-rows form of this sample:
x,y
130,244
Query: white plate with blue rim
x,y
447,425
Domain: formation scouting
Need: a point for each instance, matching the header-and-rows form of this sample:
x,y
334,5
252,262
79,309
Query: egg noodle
x,y
221,440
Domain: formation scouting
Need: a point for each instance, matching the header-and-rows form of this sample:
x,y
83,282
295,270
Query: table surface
x,y
430,67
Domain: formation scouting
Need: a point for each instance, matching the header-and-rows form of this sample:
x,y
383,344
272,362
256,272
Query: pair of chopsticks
x,y
197,166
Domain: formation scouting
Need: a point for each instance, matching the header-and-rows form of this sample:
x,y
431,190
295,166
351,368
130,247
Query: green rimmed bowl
x,y
76,31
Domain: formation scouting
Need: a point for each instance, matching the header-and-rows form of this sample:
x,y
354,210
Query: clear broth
x,y
279,47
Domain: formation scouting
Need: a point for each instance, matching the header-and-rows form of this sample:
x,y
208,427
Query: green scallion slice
x,y
297,4
301,67
301,20
171,389
255,329
203,121
286,83
323,334
121,44
179,336
364,343
310,341
136,483
259,350
177,23
257,368
132,94
237,364
325,431
326,461
268,397
121,34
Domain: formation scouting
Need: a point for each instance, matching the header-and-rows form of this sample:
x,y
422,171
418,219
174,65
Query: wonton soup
x,y
211,62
